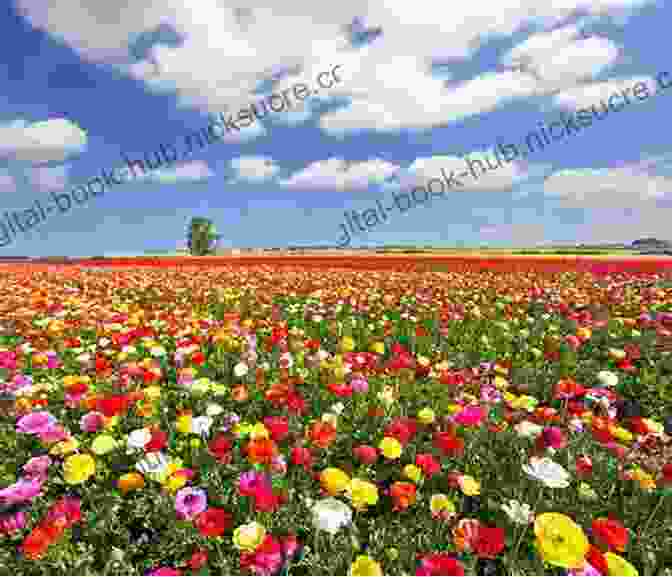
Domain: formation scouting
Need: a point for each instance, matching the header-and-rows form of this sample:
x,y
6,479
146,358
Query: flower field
x,y
291,420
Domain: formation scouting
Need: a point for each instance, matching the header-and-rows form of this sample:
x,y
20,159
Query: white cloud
x,y
489,175
46,178
187,172
590,94
52,140
629,186
7,182
339,174
254,168
221,61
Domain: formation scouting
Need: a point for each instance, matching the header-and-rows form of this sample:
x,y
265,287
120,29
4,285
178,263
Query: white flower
x,y
103,342
528,429
213,409
330,515
201,425
518,513
84,358
548,472
240,370
139,438
607,378
154,464
337,408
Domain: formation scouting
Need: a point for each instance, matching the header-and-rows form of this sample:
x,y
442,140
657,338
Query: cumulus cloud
x,y
52,140
586,95
194,171
223,59
254,168
340,174
628,186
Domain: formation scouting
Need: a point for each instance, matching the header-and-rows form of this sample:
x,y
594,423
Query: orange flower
x,y
130,482
465,535
403,495
322,434
261,451
239,393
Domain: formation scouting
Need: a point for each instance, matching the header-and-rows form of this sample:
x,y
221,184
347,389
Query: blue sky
x,y
421,85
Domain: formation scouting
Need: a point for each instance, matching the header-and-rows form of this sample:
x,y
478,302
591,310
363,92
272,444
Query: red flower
x,y
213,522
597,560
301,456
584,466
266,501
198,358
261,451
429,465
448,444
36,543
490,542
219,448
278,427
322,434
402,429
403,495
610,533
198,559
296,403
114,405
341,389
158,441
366,454
439,564
667,474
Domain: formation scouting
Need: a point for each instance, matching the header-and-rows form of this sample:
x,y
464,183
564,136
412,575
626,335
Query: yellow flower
x,y
454,408
390,448
348,344
259,432
584,333
426,416
248,537
413,473
334,480
242,429
500,382
621,434
64,447
441,505
619,566
501,370
362,493
470,486
103,444
365,565
378,347
111,422
78,468
183,424
560,541
175,482
153,393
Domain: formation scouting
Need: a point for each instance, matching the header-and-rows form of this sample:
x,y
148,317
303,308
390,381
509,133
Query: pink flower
x,y
37,467
189,502
54,434
22,491
67,509
470,416
92,422
266,560
360,385
12,523
587,571
166,571
35,423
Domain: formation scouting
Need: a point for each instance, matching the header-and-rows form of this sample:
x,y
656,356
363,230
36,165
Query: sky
x,y
421,88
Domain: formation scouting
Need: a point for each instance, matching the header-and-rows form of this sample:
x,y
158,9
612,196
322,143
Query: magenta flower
x,y
189,502
166,571
360,385
252,481
35,423
22,491
470,416
53,434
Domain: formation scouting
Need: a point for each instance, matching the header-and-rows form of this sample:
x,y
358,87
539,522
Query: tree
x,y
201,236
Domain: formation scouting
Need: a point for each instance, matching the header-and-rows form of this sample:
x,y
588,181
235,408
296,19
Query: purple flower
x,y
24,490
35,423
189,502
